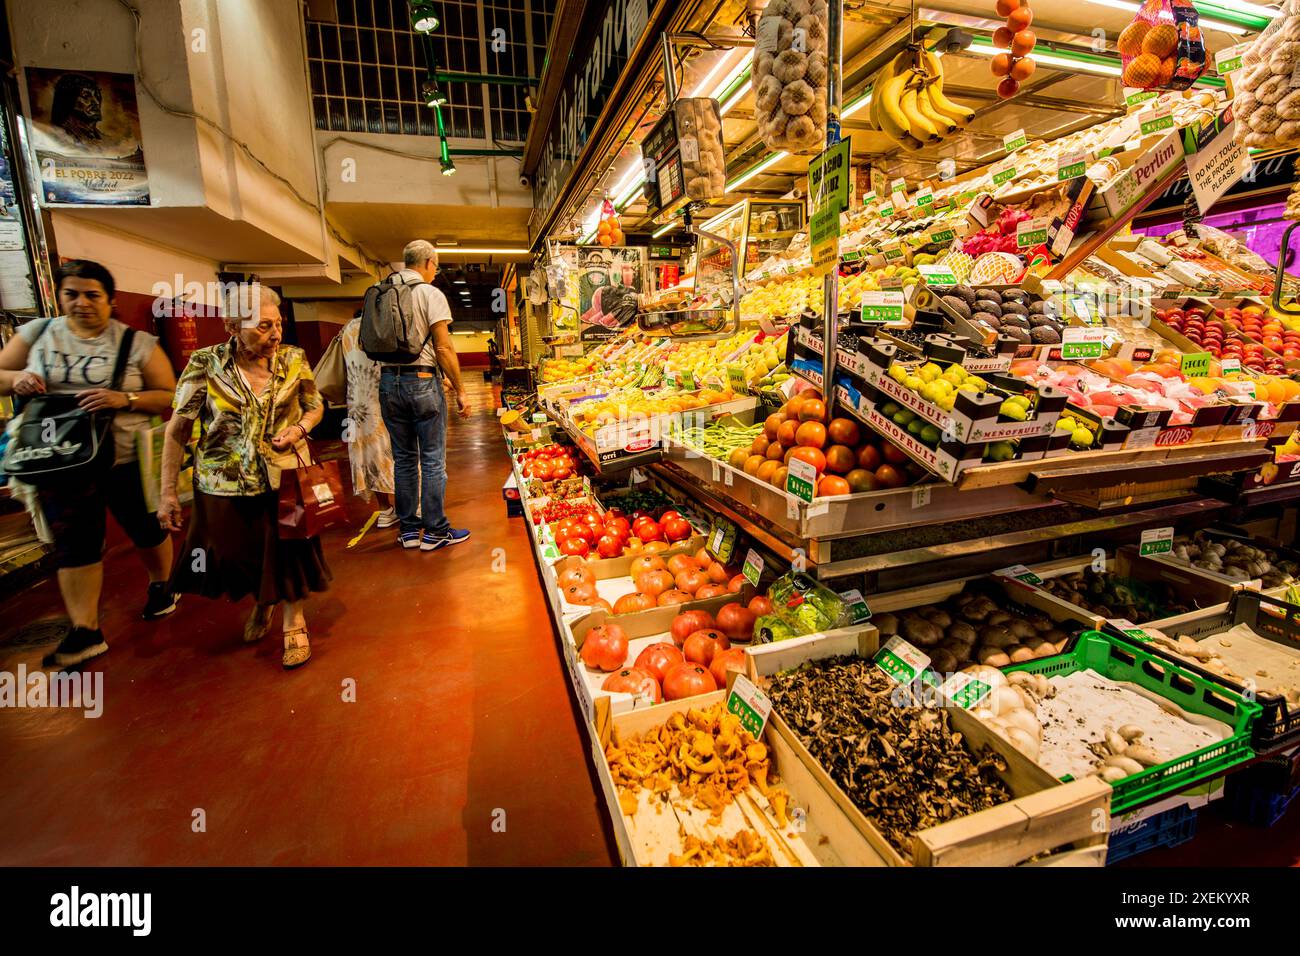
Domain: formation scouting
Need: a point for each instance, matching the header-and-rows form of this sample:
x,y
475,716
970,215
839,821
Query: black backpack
x,y
387,320
60,443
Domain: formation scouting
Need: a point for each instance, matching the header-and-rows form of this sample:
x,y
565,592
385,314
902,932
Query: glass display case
x,y
759,227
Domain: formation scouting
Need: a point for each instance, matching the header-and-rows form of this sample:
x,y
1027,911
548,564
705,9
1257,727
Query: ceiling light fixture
x,y
856,105
664,230
483,251
424,16
755,170
719,64
735,98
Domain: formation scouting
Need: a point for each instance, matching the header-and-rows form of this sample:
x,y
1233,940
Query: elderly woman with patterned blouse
x,y
255,401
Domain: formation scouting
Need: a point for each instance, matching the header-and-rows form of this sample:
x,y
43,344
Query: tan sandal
x,y
296,649
258,624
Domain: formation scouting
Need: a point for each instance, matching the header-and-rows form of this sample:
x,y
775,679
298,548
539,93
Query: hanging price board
x,y
1014,141
1156,541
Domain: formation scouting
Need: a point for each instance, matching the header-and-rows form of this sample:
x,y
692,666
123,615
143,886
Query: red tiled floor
x,y
462,709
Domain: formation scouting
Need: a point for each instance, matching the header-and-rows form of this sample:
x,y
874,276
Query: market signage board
x,y
1082,343
828,183
615,27
856,606
1217,167
750,704
1156,541
882,307
1014,141
801,481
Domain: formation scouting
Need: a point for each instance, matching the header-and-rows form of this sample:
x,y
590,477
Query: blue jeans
x,y
415,411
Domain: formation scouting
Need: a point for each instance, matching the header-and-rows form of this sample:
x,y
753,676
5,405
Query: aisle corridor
x,y
461,748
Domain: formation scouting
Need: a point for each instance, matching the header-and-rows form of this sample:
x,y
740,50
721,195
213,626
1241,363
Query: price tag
x,y
920,496
882,306
722,540
1229,60
856,605
901,661
924,199
736,379
753,567
851,256
728,478
965,690
1195,364
1229,365
539,417
750,704
1014,141
1156,121
943,235
1071,166
1138,97
886,211
1081,343
690,147
1031,232
868,198
716,470
898,186
1128,629
1019,572
801,480
1156,541
937,275
1143,437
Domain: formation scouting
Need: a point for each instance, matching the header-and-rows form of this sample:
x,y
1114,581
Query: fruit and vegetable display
x,y
1246,334
1016,65
1236,559
908,103
904,767
790,74
1103,388
705,761
1163,47
1107,594
718,439
658,581
1240,655
798,605
847,458
976,626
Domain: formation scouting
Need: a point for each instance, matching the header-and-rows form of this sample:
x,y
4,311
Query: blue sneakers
x,y
432,542
409,539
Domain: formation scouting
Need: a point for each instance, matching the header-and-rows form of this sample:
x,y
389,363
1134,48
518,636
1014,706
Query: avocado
x,y
991,306
1015,307
1045,335
958,305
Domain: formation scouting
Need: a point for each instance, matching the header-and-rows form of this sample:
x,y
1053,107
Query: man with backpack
x,y
405,327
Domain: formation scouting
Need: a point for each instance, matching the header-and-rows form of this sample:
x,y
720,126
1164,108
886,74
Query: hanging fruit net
x,y
790,74
1267,101
1163,48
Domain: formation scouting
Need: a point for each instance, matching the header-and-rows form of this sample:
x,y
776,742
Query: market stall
x,y
950,462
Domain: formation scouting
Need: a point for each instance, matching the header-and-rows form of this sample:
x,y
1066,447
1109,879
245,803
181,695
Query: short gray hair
x,y
244,300
418,252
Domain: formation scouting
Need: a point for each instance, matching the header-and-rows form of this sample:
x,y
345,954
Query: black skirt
x,y
232,549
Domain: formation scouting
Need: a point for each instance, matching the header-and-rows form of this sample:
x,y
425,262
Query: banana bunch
x,y
907,101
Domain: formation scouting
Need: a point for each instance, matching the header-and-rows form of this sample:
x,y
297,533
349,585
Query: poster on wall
x,y
86,136
609,280
17,293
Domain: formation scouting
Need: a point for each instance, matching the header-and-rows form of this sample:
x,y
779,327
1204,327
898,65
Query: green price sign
x,y
801,480
1082,350
1156,541
1138,97
965,691
882,307
856,606
1034,236
1230,65
886,212
1195,364
1020,573
1157,123
1004,175
901,661
938,276
851,256
750,704
1014,141
924,199
868,198
943,235
1129,629
736,379
1072,171
753,567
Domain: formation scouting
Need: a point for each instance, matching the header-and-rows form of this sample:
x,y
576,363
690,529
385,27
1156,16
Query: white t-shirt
x,y
69,364
430,307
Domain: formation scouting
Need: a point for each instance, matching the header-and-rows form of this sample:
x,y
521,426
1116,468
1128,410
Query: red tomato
x,y
577,574
584,531
691,581
760,605
844,431
674,596
717,573
618,524
584,592
564,527
736,583
650,531
574,545
703,559
646,562
732,659
609,547
702,645
562,471
736,621
812,456
605,648
634,681
676,529
711,590
657,658
681,562
670,513
631,603
654,583
687,680
688,622
542,470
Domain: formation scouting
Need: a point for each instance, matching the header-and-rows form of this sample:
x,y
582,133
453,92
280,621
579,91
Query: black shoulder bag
x,y
59,442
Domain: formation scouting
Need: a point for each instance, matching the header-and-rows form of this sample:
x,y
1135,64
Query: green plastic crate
x,y
1122,660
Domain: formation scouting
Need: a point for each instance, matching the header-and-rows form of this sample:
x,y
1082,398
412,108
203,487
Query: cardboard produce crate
x,y
1045,815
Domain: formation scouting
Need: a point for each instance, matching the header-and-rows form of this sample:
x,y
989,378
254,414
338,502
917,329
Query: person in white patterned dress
x,y
369,448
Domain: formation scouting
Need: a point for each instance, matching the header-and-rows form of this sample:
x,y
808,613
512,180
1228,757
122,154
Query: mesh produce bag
x,y
699,135
1163,48
1267,102
790,74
